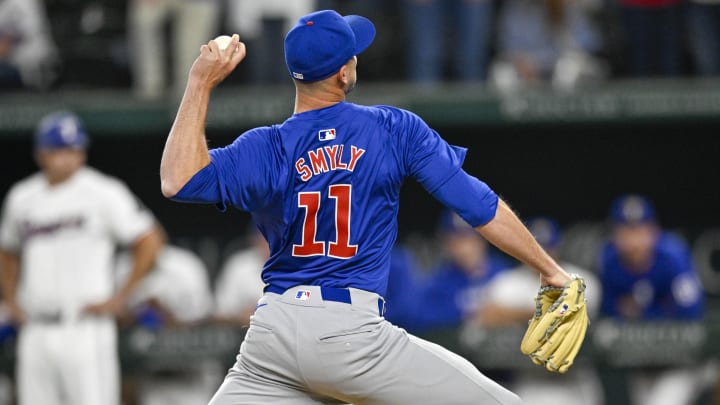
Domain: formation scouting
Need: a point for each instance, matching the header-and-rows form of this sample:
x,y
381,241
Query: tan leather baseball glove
x,y
557,330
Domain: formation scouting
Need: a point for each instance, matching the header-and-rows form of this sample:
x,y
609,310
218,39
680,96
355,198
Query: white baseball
x,y
223,41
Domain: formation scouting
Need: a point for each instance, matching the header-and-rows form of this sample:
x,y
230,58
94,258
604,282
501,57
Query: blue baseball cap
x,y
452,223
632,209
61,130
323,41
545,230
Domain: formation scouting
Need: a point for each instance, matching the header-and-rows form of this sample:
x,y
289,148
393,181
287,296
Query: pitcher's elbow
x,y
169,188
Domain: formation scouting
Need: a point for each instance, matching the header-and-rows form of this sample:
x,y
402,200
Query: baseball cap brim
x,y
364,31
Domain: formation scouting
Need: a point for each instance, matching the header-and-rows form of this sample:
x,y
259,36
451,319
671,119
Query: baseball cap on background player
x,y
323,41
545,230
632,209
61,130
452,224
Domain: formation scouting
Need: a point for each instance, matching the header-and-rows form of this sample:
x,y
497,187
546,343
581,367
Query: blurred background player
x,y
193,23
703,26
454,291
262,26
404,281
429,23
653,32
238,286
507,304
58,235
648,274
175,294
28,56
546,41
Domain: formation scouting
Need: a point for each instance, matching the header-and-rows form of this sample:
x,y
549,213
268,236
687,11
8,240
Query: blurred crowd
x,y
149,45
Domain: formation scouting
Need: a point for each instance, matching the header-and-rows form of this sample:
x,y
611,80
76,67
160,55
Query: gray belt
x,y
47,318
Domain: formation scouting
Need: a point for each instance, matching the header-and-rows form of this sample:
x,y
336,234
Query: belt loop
x,y
336,294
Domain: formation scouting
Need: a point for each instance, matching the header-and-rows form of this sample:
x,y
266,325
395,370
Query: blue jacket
x,y
670,289
450,295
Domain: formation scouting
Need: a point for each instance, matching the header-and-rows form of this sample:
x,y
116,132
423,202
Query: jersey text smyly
x,y
328,158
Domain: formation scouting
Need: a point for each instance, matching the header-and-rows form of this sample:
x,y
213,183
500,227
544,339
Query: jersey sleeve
x,y
9,228
242,174
127,216
437,165
469,197
425,155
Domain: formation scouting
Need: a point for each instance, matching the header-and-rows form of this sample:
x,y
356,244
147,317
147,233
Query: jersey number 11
x,y
341,248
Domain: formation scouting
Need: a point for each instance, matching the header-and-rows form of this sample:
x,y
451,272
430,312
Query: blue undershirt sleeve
x,y
469,197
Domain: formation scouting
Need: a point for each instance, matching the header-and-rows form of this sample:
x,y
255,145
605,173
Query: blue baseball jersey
x,y
404,281
324,188
669,289
451,294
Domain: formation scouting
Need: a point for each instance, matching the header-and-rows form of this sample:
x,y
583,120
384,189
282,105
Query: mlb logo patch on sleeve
x,y
302,295
326,134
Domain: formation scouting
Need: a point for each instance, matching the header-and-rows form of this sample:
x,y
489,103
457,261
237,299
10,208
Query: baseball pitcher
x,y
324,188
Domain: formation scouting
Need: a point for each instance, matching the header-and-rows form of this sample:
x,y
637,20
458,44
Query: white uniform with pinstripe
x,y
65,236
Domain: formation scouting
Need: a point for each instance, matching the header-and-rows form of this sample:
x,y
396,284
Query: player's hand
x,y
213,65
17,315
6,46
559,279
112,307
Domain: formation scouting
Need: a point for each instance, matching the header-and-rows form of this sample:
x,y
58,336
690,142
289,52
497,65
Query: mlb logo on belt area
x,y
326,134
302,295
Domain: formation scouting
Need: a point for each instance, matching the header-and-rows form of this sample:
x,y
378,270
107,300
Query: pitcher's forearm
x,y
9,275
510,235
186,150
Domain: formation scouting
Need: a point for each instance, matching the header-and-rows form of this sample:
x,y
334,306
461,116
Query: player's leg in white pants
x,y
69,364
91,372
148,46
243,387
428,372
38,374
196,24
306,352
